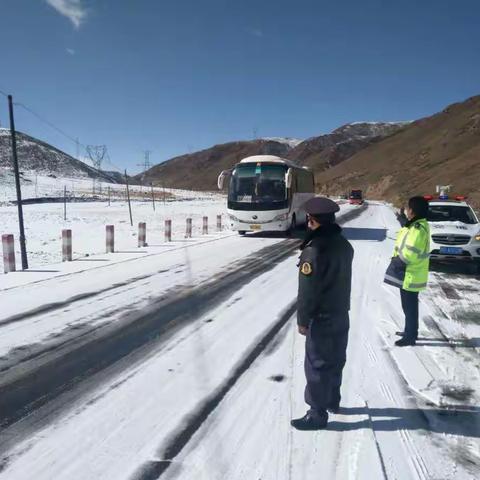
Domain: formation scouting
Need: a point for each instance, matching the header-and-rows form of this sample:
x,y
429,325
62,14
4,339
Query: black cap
x,y
321,206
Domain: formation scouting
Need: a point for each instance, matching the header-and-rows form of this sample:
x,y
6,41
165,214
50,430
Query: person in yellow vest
x,y
408,269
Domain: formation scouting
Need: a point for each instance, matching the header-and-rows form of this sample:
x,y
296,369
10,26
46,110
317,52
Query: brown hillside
x,y
200,170
326,151
441,149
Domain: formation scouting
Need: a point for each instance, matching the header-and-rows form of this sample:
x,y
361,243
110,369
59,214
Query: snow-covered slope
x,y
327,150
369,129
291,142
42,158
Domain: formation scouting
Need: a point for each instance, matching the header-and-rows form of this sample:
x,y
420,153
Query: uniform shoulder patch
x,y
306,268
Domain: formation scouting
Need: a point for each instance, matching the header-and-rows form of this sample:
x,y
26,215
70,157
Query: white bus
x,y
266,193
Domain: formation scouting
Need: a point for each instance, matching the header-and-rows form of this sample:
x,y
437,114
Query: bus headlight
x,y
233,218
280,218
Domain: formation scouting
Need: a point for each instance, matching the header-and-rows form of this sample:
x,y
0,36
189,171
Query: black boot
x,y
405,341
333,409
310,422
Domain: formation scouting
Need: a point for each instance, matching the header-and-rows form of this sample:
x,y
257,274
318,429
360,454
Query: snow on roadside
x,y
44,224
152,399
104,442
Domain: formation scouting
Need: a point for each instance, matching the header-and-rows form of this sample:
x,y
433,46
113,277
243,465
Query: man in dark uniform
x,y
325,273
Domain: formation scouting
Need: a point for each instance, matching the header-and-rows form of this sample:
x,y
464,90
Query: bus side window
x,y
305,181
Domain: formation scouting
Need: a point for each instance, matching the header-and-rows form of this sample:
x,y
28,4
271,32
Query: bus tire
x,y
305,225
293,226
241,232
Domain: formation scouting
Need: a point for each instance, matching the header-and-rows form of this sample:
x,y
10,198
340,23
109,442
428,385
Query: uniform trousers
x,y
325,356
410,309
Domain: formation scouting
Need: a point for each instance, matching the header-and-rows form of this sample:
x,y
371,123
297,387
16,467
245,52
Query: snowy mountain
x,y
291,142
199,170
435,150
325,151
42,158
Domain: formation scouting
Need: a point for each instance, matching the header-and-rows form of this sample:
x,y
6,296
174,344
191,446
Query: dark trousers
x,y
410,309
325,356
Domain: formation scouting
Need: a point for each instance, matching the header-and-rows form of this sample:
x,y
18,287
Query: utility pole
x,y
128,198
64,202
23,247
153,196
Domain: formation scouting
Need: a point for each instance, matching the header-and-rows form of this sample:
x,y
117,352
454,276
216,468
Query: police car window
x,y
451,213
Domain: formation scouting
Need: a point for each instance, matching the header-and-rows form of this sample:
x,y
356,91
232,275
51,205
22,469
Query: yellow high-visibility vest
x,y
412,247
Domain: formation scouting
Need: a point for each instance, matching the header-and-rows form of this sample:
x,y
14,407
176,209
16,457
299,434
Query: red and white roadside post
x,y
168,230
110,231
142,234
188,232
8,246
219,223
66,245
205,226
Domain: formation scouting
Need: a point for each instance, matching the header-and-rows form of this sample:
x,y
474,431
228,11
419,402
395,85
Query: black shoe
x,y
334,409
404,342
309,422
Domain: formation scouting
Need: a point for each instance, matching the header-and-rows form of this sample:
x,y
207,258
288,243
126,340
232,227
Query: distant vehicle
x,y
266,193
455,229
343,196
355,197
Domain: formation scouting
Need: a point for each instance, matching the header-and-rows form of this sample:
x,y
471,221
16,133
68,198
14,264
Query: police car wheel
x,y
477,266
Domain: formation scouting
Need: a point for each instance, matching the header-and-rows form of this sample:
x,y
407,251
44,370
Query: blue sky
x,y
172,76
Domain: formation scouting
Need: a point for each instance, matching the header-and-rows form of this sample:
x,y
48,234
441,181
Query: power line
x,y
59,130
50,124
47,122
146,165
97,154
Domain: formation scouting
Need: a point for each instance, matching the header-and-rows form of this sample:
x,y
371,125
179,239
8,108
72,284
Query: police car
x,y
455,230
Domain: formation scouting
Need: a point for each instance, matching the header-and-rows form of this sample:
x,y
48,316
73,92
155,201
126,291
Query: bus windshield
x,y
258,183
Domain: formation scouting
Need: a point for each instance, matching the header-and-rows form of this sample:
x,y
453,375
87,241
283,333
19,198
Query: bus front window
x,y
258,184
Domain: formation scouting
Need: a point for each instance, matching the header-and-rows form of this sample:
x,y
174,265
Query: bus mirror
x,y
221,179
289,178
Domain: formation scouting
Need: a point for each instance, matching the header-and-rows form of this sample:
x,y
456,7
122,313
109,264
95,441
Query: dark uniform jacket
x,y
325,274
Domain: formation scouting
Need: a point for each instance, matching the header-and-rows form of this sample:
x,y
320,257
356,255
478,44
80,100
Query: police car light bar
x,y
458,198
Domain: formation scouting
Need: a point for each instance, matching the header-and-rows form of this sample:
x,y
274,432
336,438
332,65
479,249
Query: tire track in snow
x,y
154,469
51,307
113,264
416,460
29,389
32,388
377,444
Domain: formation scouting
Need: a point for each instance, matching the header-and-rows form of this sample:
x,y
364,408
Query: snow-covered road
x,y
213,400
